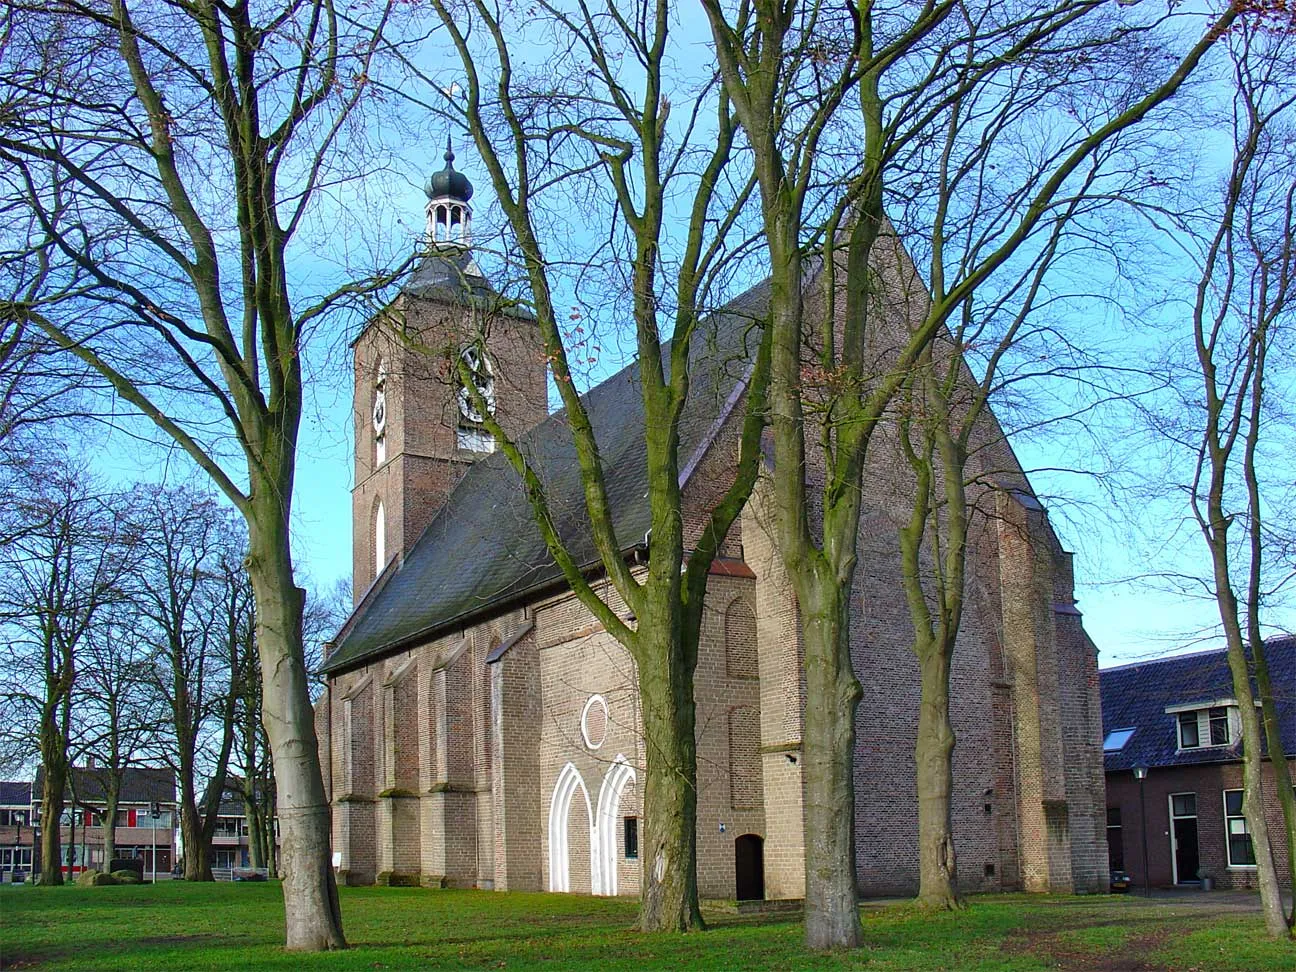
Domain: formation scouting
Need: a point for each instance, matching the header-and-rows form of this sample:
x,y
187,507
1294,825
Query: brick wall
x,y
1207,783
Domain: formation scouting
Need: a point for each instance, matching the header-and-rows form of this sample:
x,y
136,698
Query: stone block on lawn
x,y
127,875
94,879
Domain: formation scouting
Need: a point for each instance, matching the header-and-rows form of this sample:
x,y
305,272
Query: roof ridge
x,y
1278,640
1164,659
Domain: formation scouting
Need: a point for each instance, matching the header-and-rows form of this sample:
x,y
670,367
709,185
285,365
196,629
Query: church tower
x,y
416,431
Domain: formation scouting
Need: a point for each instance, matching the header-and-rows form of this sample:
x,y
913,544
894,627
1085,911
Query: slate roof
x,y
1136,696
483,552
451,274
139,785
15,793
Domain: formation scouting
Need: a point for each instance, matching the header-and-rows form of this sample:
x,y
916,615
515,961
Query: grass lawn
x,y
177,926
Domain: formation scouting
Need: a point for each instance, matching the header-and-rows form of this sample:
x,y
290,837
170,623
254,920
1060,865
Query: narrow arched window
x,y
380,540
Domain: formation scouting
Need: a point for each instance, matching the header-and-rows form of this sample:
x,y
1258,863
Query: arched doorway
x,y
569,782
749,867
609,808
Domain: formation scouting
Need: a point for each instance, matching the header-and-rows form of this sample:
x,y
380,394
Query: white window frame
x,y
16,858
1202,718
1228,844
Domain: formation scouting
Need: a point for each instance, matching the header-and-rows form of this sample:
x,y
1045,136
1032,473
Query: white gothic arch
x,y
569,781
609,809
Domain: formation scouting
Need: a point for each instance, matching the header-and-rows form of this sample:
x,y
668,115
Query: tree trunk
x,y
314,919
256,849
1278,761
933,757
53,784
828,749
51,865
1271,903
110,827
669,900
197,843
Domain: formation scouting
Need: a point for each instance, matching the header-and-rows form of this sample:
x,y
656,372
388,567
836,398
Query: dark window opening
x,y
632,838
1188,737
989,870
1115,843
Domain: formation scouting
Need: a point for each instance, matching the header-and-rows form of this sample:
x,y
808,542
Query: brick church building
x,y
479,729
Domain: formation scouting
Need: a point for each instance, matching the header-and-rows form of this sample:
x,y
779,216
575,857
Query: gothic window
x,y
380,539
740,641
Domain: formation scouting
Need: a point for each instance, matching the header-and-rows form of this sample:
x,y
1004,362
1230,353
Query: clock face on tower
x,y
483,379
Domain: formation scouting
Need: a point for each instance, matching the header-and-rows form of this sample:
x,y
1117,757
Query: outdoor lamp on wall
x,y
1140,774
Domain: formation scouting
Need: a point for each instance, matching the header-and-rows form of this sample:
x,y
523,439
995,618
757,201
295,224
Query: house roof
x,y
15,793
483,552
1137,696
139,785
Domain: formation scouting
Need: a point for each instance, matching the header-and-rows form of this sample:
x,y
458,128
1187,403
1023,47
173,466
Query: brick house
x,y
478,728
17,837
1177,719
146,826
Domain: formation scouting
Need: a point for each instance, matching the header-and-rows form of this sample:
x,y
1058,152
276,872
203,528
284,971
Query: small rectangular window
x,y
632,838
1188,735
1241,853
1184,804
1219,728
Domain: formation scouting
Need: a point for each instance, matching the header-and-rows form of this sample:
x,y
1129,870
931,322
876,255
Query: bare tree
x,y
193,596
116,712
604,121
1242,317
56,579
174,157
911,70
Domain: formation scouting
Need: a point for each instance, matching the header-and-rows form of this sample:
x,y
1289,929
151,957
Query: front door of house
x,y
1183,831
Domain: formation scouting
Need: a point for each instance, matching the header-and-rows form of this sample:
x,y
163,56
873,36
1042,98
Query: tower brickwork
x,y
416,429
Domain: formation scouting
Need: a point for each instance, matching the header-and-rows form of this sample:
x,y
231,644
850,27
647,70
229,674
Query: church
x,y
479,728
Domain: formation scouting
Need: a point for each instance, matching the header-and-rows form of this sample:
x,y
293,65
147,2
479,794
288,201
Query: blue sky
x,y
1127,618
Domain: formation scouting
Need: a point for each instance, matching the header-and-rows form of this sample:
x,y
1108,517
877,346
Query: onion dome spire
x,y
449,217
449,183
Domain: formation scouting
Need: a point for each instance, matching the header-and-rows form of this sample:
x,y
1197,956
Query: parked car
x,y
1120,882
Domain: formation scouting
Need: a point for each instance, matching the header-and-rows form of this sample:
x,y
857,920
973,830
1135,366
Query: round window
x,y
594,721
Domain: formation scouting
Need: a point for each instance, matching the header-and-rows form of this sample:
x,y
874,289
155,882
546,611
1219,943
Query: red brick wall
x,y
1208,783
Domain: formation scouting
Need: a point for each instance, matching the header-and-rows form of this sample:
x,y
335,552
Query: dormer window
x,y
1210,725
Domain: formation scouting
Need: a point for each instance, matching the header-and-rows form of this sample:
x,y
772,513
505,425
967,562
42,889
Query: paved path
x,y
1218,900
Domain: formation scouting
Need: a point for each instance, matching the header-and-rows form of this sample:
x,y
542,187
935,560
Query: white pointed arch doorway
x,y
605,825
565,791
